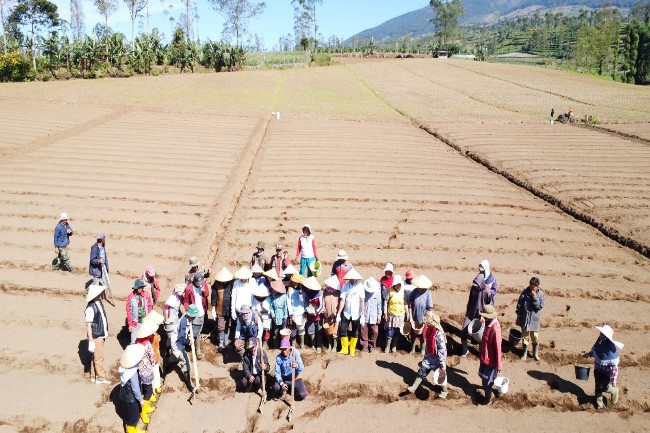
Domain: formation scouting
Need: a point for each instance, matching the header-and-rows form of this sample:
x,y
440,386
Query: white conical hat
x,y
243,273
261,291
146,329
272,274
333,282
257,269
352,274
290,270
609,333
224,275
155,318
422,282
94,290
131,355
311,283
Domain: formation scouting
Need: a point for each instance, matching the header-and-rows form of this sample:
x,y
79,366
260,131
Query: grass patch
x,y
276,60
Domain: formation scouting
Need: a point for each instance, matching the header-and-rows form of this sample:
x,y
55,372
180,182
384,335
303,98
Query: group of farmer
x,y
269,303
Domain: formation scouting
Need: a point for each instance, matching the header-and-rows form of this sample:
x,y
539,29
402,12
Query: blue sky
x,y
342,18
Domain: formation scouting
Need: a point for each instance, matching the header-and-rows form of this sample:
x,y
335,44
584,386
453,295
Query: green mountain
x,y
418,22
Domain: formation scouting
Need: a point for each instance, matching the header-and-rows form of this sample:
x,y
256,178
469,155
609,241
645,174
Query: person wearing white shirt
x,y
351,310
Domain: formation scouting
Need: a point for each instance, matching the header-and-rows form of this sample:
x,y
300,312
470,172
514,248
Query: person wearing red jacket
x,y
138,305
197,289
489,351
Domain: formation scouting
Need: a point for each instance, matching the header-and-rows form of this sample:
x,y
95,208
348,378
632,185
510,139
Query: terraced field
x,y
188,165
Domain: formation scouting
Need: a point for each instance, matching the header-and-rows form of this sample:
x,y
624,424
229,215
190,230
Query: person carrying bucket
x,y
489,352
606,360
435,351
481,293
529,312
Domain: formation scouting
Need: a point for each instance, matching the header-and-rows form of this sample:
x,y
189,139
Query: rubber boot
x,y
353,346
464,351
334,344
300,339
524,355
152,399
330,343
416,384
144,412
133,429
151,407
487,400
613,390
599,401
387,347
536,352
222,339
393,345
197,344
344,346
412,347
443,393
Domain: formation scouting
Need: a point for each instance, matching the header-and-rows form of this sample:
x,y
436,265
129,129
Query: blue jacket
x,y
604,350
183,333
95,268
283,366
61,237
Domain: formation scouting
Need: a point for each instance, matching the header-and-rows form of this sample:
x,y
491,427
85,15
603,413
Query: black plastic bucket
x,y
582,372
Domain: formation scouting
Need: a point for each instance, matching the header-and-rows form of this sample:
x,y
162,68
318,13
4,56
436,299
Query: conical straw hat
x,y
131,355
224,275
243,273
311,283
352,274
94,290
155,318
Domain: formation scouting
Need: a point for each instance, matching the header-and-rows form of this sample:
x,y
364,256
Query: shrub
x,y
321,59
14,66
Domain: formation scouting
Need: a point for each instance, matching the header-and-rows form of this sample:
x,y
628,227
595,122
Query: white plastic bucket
x,y
501,383
440,377
475,329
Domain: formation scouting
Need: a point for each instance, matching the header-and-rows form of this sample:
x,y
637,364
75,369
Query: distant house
x,y
440,54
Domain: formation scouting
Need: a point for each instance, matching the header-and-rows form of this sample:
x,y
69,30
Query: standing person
x,y
260,258
420,303
373,311
146,369
331,300
138,305
130,393
306,250
156,319
249,325
62,233
172,313
283,367
606,360
179,347
99,261
396,314
279,311
480,294
197,293
150,277
96,332
242,291
351,310
489,352
341,266
529,315
297,306
262,307
434,350
253,370
314,310
195,266
385,284
280,260
221,299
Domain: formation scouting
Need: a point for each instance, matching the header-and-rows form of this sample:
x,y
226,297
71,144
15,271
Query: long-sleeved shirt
x,y
130,390
297,302
373,307
436,343
221,298
190,294
279,308
529,310
249,329
490,346
353,296
420,302
306,247
263,309
137,307
283,366
242,294
61,236
94,267
251,363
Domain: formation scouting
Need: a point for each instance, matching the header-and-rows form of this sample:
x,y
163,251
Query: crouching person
x,y
288,359
253,370
130,386
435,355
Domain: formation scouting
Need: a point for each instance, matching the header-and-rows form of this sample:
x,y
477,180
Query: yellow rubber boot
x,y
152,399
132,429
344,345
150,406
144,412
353,346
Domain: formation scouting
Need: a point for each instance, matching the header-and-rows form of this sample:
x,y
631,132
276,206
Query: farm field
x,y
176,166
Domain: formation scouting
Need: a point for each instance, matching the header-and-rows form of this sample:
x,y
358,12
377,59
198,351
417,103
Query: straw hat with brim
x,y
409,275
422,282
488,312
285,332
224,275
278,286
138,284
179,288
389,267
260,291
371,285
333,282
245,309
272,274
352,274
257,269
397,280
290,270
296,278
431,318
192,311
342,255
146,329
311,283
194,261
63,216
243,273
608,332
94,290
155,318
132,355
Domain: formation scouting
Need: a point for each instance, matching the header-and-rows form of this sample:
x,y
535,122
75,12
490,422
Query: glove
x,y
91,346
338,318
178,354
214,313
362,321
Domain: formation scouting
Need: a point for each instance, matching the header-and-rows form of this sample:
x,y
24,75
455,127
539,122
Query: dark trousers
x,y
300,392
132,414
257,383
147,390
369,336
343,327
